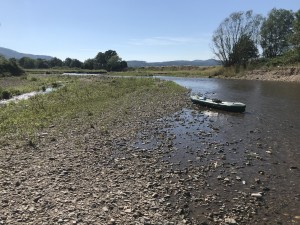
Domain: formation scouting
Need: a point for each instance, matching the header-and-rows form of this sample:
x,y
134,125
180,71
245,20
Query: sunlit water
x,y
272,107
25,96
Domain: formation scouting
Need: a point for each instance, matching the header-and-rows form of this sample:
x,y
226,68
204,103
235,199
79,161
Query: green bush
x,y
9,68
5,95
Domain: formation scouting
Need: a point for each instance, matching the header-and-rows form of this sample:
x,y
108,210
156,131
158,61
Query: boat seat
x,y
217,100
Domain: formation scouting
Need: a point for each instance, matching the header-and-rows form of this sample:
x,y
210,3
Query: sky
x,y
147,30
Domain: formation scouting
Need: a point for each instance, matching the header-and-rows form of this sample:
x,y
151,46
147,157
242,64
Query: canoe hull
x,y
227,106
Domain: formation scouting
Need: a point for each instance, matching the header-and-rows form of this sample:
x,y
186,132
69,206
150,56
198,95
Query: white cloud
x,y
167,41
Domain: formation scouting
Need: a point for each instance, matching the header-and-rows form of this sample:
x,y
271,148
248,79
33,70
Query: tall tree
x,y
109,54
275,32
109,60
75,63
67,62
100,61
295,37
27,63
55,62
244,50
41,64
89,64
230,31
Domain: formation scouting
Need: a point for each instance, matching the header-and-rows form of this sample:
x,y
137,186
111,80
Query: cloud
x,y
167,41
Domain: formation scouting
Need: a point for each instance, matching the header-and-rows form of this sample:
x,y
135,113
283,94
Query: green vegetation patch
x,y
176,71
85,100
9,68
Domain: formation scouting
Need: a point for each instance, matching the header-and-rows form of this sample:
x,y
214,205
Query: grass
x,y
63,70
179,71
28,83
82,100
182,71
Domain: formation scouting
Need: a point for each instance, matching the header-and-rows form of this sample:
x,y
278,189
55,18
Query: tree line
x,y
109,60
244,36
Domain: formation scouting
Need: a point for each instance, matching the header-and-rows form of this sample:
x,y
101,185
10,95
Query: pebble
x,y
257,195
230,221
108,178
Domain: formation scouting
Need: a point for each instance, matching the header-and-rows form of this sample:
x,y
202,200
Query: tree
x,y
89,64
109,60
9,68
244,50
13,60
55,62
109,54
295,37
67,62
100,61
230,31
114,63
275,32
75,63
27,63
41,64
123,65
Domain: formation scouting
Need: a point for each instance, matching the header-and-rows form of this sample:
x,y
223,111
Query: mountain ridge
x,y
208,62
9,53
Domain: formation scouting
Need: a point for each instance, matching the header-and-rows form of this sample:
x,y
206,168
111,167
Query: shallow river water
x,y
272,108
261,146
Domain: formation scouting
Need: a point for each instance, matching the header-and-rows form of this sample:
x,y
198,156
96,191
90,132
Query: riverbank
x,y
146,156
285,74
68,170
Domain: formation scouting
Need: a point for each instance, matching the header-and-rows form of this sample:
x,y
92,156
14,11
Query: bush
x,y
5,95
9,68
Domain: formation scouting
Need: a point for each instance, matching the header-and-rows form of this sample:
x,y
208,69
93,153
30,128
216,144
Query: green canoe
x,y
218,104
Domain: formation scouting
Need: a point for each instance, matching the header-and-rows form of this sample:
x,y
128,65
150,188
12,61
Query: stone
x,y
105,209
257,195
229,220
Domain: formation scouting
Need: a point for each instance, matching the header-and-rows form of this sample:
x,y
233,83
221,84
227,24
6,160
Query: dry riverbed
x,y
164,164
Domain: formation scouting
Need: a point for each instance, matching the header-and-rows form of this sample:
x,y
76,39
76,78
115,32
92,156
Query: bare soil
x,y
287,74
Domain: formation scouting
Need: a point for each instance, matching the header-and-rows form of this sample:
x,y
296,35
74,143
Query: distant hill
x,y
8,53
209,62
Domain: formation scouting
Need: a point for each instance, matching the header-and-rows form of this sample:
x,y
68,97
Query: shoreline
x,y
144,169
284,74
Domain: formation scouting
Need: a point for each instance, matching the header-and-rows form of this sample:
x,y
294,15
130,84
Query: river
x,y
272,107
259,146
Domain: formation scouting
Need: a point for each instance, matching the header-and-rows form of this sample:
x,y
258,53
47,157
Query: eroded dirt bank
x,y
288,74
157,167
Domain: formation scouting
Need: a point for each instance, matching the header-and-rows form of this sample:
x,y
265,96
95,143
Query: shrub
x,y
9,68
5,95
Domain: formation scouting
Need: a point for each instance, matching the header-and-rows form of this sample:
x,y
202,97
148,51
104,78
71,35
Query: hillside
x,y
209,62
8,53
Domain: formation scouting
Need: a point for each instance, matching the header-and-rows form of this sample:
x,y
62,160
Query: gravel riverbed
x,y
167,165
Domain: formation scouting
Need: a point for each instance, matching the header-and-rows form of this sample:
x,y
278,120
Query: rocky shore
x,y
167,163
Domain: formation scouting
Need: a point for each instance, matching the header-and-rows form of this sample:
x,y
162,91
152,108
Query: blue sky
x,y
149,30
